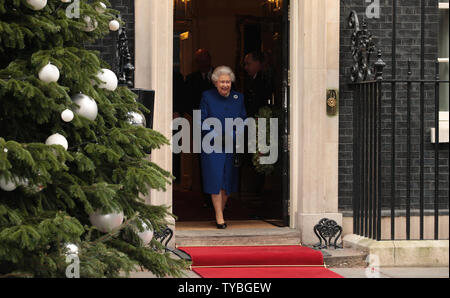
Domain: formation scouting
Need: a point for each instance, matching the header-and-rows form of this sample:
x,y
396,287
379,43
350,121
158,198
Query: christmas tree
x,y
73,166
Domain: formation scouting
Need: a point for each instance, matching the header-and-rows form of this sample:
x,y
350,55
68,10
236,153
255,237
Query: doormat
x,y
291,261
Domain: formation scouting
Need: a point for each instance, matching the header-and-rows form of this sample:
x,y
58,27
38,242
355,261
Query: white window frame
x,y
443,116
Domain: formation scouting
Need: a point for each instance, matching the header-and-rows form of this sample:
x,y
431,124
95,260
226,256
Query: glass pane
x,y
443,53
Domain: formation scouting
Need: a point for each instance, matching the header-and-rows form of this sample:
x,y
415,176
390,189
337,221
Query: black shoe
x,y
221,226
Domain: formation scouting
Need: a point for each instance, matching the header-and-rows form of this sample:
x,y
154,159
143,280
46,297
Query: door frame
x,y
313,137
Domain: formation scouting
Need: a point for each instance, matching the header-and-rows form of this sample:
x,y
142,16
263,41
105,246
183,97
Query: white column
x,y
314,135
154,70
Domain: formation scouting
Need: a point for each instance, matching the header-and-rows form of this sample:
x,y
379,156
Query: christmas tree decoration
x,y
106,223
100,7
114,25
7,185
137,119
71,249
67,115
87,106
51,201
57,139
49,73
147,235
108,78
91,24
37,4
23,182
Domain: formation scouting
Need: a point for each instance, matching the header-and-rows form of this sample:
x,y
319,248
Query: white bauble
x,y
87,106
23,182
57,139
37,4
147,235
67,115
114,25
109,78
7,185
106,223
49,73
91,25
71,249
100,7
137,119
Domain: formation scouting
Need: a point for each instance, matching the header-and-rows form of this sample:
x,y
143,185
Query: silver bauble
x,y
114,25
9,185
49,73
91,25
100,7
106,223
37,4
137,119
57,139
71,249
67,115
87,106
147,235
109,79
23,182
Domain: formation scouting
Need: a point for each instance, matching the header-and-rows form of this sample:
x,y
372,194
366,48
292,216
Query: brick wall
x,y
408,46
107,46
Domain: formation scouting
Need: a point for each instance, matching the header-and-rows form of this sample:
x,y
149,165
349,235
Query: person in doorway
x,y
258,86
258,93
197,83
220,177
200,80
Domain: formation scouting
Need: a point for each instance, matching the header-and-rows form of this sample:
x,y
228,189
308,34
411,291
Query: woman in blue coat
x,y
220,177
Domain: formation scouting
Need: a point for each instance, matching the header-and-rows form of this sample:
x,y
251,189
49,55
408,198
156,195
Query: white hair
x,y
222,70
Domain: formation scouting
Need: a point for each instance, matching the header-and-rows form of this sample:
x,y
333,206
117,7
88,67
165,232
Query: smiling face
x,y
223,85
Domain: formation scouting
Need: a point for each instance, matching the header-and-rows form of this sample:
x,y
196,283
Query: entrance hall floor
x,y
245,232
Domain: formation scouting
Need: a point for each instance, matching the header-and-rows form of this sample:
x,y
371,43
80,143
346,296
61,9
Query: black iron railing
x,y
124,68
384,111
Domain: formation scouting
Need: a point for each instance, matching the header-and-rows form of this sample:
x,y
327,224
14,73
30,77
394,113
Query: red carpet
x,y
258,262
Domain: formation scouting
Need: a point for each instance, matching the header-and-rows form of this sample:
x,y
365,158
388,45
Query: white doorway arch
x,y
314,139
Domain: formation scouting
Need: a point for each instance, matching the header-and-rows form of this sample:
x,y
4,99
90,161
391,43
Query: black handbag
x,y
238,158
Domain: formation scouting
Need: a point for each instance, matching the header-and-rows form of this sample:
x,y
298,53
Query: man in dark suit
x,y
197,83
258,86
200,80
258,93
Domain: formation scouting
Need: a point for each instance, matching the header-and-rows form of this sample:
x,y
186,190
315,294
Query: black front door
x,y
285,158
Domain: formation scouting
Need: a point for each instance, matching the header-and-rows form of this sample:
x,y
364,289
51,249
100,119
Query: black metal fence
x,y
385,110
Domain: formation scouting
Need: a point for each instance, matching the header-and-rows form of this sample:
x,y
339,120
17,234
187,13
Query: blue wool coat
x,y
218,171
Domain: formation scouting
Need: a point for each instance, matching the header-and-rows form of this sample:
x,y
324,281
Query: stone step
x,y
344,258
237,237
333,258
